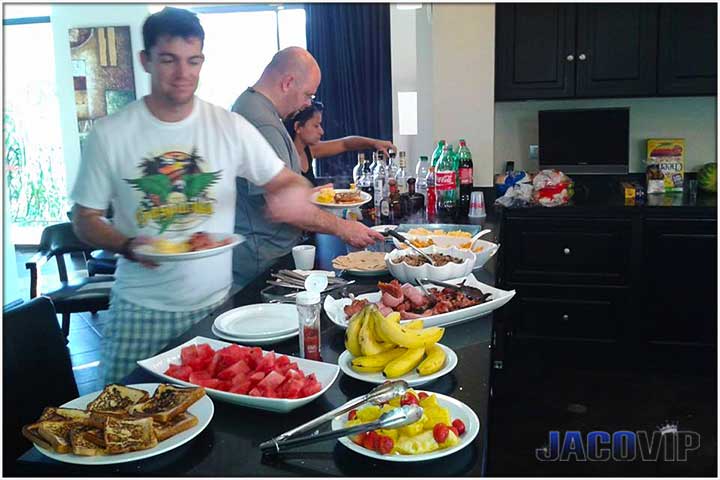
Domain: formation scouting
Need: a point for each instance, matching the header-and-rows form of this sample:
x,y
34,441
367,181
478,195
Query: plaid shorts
x,y
133,333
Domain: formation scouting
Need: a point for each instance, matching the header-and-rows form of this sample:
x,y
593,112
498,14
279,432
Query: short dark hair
x,y
175,22
303,116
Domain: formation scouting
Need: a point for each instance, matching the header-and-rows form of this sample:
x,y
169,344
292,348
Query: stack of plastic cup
x,y
477,207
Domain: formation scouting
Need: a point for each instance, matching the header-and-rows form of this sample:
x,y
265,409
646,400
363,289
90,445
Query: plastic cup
x,y
304,257
477,205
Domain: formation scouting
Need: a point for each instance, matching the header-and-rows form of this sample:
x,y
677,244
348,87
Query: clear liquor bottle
x,y
401,174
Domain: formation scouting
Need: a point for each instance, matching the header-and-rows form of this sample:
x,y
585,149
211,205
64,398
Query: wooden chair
x,y
88,294
37,371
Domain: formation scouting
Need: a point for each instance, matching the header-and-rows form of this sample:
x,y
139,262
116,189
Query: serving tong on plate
x,y
407,242
296,281
395,418
470,292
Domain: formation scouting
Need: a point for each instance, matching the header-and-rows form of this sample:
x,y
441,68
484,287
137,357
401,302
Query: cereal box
x,y
665,167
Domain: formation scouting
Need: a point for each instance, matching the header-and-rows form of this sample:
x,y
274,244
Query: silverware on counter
x,y
395,418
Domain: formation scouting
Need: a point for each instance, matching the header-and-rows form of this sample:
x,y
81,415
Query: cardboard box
x,y
665,165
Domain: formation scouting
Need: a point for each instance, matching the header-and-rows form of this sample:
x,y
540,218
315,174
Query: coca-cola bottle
x,y
465,169
431,200
446,187
436,153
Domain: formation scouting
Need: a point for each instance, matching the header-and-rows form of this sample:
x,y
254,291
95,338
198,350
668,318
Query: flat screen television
x,y
584,141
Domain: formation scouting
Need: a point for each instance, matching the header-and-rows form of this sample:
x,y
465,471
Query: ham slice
x,y
385,310
392,293
415,295
413,316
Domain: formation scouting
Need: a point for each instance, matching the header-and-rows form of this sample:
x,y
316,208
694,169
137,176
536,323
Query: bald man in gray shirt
x,y
287,85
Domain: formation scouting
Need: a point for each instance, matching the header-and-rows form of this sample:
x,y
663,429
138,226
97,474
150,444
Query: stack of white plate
x,y
259,324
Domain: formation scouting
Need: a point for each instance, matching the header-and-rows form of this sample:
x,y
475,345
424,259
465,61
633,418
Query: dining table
x,y
229,445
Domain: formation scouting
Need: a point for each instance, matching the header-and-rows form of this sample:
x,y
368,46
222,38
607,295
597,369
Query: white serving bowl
x,y
443,241
407,273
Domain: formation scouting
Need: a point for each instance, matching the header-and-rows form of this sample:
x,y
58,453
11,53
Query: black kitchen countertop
x,y
229,444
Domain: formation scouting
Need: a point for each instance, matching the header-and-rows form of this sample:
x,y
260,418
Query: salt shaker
x,y
308,308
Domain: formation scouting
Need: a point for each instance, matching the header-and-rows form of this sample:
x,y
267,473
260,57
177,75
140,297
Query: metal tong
x,y
407,242
470,292
395,418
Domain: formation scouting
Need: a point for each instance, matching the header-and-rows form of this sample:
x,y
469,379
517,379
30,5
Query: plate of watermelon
x,y
247,376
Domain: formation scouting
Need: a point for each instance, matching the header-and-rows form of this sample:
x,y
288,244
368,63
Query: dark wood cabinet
x,y
604,50
534,48
681,291
616,49
636,279
687,61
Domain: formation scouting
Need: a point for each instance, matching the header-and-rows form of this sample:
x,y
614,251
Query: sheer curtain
x,y
351,42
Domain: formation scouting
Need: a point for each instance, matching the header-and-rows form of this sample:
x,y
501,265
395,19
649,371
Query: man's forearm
x,y
95,231
319,221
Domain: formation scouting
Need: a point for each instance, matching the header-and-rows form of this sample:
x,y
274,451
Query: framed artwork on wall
x,y
103,76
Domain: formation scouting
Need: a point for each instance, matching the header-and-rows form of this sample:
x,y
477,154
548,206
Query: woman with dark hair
x,y
305,128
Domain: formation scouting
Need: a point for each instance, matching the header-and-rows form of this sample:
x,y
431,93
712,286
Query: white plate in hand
x,y
203,409
334,307
147,251
457,410
259,321
365,197
412,378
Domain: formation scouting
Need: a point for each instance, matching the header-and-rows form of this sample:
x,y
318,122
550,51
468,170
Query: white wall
x,y
691,118
66,16
446,52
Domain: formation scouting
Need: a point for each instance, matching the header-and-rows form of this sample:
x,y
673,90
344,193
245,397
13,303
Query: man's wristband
x,y
125,251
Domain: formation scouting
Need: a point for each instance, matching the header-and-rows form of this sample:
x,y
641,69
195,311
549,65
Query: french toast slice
x,y
57,434
116,399
87,441
167,402
129,435
180,423
31,433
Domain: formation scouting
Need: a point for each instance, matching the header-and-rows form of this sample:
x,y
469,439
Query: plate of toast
x,y
121,423
340,198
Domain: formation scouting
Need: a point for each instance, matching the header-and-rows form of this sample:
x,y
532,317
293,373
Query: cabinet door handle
x,y
570,58
566,251
582,57
565,317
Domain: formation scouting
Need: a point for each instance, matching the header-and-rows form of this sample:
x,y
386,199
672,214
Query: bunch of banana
x,y
381,344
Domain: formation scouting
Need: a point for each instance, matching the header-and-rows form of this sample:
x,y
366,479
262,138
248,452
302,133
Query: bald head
x,y
290,80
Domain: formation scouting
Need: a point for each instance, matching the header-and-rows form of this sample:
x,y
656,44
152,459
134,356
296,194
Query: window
x,y
33,154
239,41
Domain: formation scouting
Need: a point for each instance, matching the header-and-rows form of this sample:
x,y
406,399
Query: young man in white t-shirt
x,y
168,164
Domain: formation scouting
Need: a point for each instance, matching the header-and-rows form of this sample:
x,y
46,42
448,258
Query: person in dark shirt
x,y
305,129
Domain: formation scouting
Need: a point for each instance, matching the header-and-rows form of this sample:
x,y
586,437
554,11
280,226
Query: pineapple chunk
x,y
451,440
437,415
414,428
369,413
389,432
421,443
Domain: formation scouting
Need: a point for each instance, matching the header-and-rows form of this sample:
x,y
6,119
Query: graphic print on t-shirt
x,y
176,191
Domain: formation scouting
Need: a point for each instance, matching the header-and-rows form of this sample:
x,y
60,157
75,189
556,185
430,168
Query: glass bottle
x,y
365,183
308,307
415,201
357,170
465,170
394,199
431,198
401,174
391,165
380,184
421,171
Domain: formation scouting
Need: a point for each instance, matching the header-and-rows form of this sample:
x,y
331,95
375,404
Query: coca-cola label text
x,y
445,180
466,176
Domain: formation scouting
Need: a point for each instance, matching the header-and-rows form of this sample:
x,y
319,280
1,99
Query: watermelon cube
x,y
233,370
255,392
